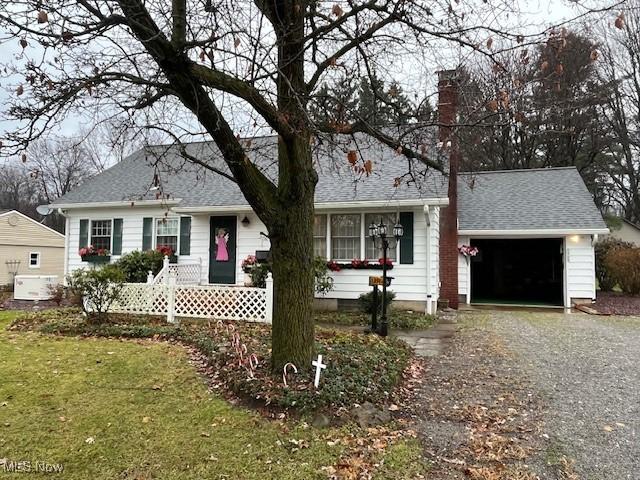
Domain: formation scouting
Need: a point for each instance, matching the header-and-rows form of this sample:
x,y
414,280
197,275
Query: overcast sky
x,y
536,14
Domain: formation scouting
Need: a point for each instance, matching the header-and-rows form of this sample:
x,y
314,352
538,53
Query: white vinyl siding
x,y
409,282
579,264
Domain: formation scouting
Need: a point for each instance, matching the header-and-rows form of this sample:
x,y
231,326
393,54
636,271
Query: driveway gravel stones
x,y
587,370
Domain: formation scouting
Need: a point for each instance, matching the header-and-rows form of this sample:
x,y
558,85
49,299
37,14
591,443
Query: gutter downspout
x,y
67,226
427,219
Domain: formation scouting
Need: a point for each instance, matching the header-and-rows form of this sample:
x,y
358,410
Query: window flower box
x,y
96,258
168,251
91,254
357,264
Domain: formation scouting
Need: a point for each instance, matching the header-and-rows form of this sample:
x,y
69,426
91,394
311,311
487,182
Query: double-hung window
x,y
34,259
320,236
345,236
371,251
101,234
167,232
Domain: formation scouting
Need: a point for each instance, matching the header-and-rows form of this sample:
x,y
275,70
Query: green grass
x,y
398,319
148,412
403,461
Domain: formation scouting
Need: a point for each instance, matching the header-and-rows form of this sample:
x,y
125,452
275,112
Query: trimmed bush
x,y
366,301
602,248
136,265
99,287
623,265
323,281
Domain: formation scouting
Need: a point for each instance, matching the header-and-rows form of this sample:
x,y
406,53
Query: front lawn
x,y
137,409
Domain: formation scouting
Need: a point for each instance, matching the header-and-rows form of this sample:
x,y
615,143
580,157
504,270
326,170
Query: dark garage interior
x,y
517,271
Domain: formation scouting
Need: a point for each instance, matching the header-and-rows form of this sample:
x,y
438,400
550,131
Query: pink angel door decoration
x,y
222,240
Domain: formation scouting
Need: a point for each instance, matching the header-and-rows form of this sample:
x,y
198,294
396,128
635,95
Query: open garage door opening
x,y
517,272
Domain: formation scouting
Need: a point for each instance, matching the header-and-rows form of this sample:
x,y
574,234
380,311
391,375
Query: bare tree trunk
x,y
292,254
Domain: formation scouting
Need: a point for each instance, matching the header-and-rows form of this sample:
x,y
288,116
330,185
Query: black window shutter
x,y
406,242
84,233
117,237
185,235
147,233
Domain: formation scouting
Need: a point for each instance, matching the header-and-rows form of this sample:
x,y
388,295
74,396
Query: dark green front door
x,y
222,250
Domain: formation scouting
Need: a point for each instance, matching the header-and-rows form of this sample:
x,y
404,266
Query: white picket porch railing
x,y
218,302
184,273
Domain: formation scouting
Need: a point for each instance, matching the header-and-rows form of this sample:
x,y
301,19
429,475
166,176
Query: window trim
x,y
326,235
90,239
330,236
39,256
389,233
364,234
155,233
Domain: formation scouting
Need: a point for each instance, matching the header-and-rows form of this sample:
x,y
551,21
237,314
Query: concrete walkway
x,y
431,342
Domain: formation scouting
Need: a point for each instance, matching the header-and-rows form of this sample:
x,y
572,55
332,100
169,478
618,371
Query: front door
x,y
222,250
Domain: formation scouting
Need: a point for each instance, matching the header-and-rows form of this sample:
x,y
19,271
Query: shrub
x,y
136,265
57,293
323,281
623,265
366,301
602,248
99,288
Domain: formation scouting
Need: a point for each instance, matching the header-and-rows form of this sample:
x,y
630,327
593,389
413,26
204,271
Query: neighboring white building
x,y
534,229
627,232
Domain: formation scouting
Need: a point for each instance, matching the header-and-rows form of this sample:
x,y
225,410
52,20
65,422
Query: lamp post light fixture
x,y
378,235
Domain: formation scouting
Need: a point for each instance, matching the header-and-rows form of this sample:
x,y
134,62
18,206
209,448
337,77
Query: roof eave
x,y
117,204
538,232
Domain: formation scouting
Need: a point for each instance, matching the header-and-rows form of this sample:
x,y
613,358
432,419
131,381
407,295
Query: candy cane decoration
x,y
219,323
241,349
230,329
252,363
284,372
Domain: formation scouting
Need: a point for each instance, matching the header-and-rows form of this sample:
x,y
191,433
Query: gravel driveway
x,y
587,370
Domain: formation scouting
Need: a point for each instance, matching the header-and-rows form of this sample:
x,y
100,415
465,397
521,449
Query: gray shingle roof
x,y
553,198
132,178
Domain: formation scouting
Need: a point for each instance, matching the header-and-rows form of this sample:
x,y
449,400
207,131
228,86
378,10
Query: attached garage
x,y
534,231
517,271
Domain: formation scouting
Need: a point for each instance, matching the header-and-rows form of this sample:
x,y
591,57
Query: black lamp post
x,y
378,235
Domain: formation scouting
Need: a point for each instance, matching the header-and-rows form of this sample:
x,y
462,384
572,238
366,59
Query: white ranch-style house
x,y
533,229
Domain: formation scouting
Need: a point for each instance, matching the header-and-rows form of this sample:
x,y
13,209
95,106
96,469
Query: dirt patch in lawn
x,y
613,303
479,417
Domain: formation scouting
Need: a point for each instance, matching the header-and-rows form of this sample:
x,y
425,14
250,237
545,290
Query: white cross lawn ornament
x,y
319,367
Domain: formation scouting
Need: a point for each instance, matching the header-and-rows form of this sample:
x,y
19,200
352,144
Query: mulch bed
x,y
613,303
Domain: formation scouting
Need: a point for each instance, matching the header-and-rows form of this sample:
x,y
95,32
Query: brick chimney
x,y
447,118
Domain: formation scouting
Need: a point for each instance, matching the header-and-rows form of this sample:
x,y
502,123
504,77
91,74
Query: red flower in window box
x,y
389,262
333,266
165,250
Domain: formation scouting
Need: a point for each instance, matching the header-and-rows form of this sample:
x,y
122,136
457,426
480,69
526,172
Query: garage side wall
x,y
463,273
579,262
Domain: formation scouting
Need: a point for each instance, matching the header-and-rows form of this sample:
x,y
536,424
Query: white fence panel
x,y
219,302
142,298
185,274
